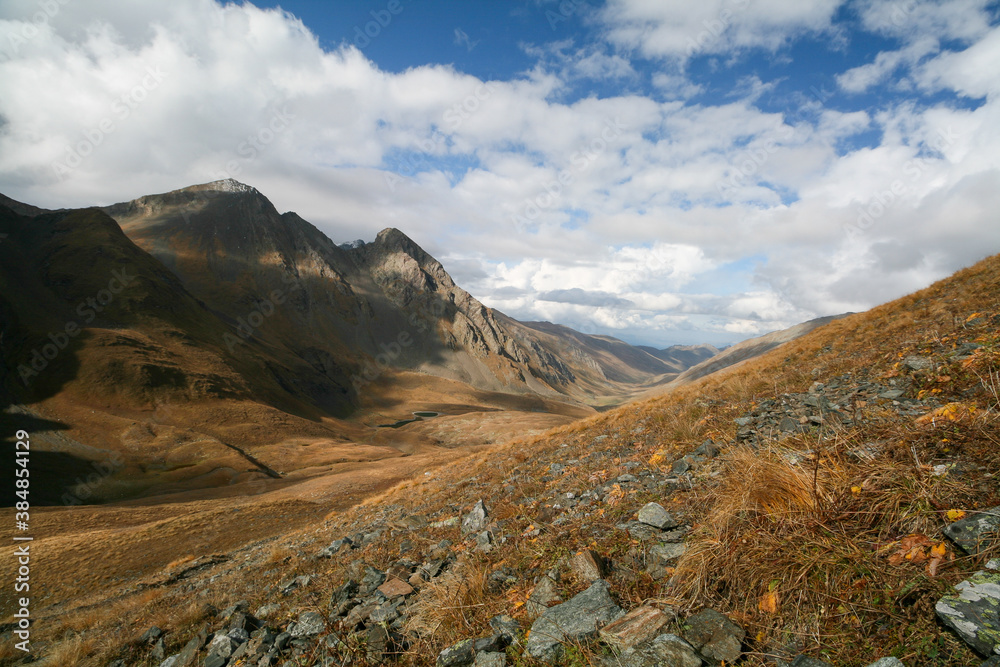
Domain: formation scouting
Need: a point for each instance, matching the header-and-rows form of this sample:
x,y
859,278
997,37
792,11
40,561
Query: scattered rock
x,y
572,621
974,613
887,662
587,565
460,655
334,547
640,625
714,636
663,650
484,541
545,595
977,532
310,623
394,588
653,514
491,660
475,521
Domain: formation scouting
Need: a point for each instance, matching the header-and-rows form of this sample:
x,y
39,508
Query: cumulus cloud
x,y
626,213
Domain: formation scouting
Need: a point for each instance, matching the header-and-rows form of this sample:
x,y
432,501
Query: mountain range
x,y
169,328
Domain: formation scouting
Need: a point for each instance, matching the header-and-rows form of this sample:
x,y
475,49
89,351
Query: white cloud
x,y
629,213
677,29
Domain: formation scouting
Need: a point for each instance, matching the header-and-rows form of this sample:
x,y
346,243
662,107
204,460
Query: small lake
x,y
417,417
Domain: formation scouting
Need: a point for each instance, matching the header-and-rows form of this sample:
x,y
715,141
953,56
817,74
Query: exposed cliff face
x,y
347,310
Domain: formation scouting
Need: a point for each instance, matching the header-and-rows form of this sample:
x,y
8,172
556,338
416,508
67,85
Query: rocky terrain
x,y
831,503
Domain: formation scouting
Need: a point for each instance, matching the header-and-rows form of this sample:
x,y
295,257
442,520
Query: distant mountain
x,y
681,357
357,308
185,335
750,348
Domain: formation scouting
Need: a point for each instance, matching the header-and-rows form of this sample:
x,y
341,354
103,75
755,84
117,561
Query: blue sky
x,y
659,170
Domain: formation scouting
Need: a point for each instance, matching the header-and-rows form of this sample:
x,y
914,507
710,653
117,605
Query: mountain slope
x,y
363,307
825,540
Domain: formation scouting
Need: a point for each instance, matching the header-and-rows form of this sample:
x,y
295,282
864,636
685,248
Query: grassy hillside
x,y
817,527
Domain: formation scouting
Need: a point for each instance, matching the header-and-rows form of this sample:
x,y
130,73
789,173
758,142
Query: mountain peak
x,y
224,185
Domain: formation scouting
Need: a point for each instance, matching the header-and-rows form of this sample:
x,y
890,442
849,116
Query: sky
x,y
663,171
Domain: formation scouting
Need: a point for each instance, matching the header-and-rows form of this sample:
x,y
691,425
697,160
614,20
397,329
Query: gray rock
x,y
310,623
506,626
992,662
287,587
281,641
976,532
665,553
461,654
572,621
151,635
546,594
627,478
475,521
887,662
222,646
159,651
974,613
680,467
914,363
653,514
664,650
334,547
484,541
714,636
491,660
267,610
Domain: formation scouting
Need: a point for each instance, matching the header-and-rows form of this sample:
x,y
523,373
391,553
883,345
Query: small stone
x,y
653,514
888,662
665,553
640,625
334,547
506,626
484,541
627,479
680,467
310,623
714,636
546,594
267,610
394,588
915,363
475,521
496,659
151,635
461,654
664,650
587,565
976,532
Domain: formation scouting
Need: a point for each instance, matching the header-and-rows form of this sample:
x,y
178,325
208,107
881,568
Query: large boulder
x,y
974,612
577,620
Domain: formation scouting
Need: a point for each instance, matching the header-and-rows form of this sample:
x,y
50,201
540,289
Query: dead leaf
x,y
768,603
